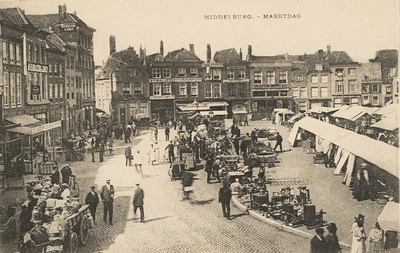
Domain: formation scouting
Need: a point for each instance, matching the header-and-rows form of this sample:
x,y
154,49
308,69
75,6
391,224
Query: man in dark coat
x,y
318,242
224,198
101,151
92,199
66,172
170,148
107,196
55,177
128,154
138,202
167,133
278,142
20,166
332,239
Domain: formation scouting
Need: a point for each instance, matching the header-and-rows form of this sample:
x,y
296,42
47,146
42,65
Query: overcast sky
x,y
359,27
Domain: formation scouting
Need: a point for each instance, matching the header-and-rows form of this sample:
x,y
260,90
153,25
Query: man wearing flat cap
x,y
318,242
92,199
107,196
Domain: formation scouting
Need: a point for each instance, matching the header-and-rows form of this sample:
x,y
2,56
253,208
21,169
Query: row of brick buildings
x,y
133,86
47,79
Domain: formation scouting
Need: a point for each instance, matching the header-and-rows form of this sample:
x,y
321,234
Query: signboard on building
x,y
37,68
68,27
169,80
162,97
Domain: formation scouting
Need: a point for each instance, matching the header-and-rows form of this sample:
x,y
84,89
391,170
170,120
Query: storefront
x,y
239,113
162,108
33,140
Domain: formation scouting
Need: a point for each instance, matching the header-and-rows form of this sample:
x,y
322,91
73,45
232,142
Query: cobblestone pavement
x,y
175,225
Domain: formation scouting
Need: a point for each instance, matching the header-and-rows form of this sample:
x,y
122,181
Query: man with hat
x,y
66,172
332,239
318,242
92,199
107,196
128,154
138,202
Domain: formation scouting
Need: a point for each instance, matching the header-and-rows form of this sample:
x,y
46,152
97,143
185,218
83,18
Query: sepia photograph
x,y
199,126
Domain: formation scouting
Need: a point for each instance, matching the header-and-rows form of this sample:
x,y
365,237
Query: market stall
x,y
389,222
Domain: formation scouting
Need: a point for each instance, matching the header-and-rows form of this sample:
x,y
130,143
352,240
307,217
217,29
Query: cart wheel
x,y
84,230
73,243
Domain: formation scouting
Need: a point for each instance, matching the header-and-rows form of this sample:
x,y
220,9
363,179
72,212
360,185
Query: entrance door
x,y
122,118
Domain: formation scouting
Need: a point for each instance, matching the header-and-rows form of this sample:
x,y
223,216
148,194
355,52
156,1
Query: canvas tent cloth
x,y
390,124
295,117
376,152
319,109
353,112
389,218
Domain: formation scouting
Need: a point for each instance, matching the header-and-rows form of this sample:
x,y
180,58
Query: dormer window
x,y
181,72
318,66
216,74
193,72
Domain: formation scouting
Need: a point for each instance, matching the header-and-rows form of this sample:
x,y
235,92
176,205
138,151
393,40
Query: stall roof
x,y
283,111
353,112
377,152
206,113
36,129
390,123
389,109
297,116
319,109
389,218
239,111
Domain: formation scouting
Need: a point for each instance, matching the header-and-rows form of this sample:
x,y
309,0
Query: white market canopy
x,y
389,217
376,152
390,123
353,112
319,109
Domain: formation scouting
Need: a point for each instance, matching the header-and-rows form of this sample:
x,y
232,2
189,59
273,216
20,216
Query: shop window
x,y
12,53
126,88
388,89
19,89
375,100
5,52
18,54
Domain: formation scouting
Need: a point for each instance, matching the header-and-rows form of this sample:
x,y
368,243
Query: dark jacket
x,y
55,177
128,152
332,242
66,172
92,199
106,194
318,246
138,197
225,195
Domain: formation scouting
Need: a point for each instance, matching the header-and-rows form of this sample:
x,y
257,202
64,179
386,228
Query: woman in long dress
x,y
359,237
375,238
152,155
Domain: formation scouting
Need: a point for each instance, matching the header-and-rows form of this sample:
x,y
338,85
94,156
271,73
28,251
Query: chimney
x,y
241,54
161,48
286,56
321,51
112,44
249,51
208,53
62,10
329,49
191,48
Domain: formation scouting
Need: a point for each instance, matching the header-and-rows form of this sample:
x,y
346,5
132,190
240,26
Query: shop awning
x,y
389,217
353,112
295,117
215,113
283,111
24,120
35,129
239,111
319,109
379,153
390,124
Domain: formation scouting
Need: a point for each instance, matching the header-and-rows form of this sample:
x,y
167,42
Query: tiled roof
x,y
227,56
118,59
44,21
55,42
339,57
372,70
16,17
274,58
299,66
313,59
182,55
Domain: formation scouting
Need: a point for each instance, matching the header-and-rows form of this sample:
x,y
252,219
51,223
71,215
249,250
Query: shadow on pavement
x,y
234,216
201,202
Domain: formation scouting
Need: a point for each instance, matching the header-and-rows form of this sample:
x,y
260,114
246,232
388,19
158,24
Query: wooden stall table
x,y
235,174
